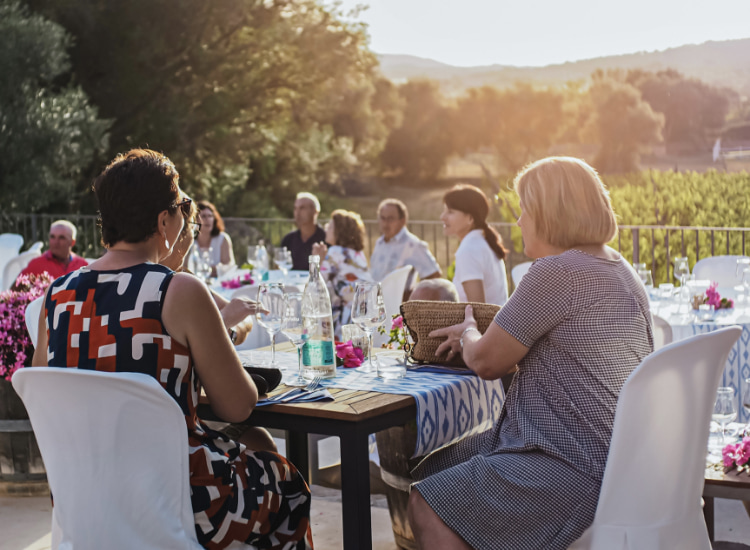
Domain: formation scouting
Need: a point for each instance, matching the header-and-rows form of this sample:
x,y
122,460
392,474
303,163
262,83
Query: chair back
x,y
662,332
116,453
33,310
14,267
651,492
393,285
518,272
36,247
10,244
722,269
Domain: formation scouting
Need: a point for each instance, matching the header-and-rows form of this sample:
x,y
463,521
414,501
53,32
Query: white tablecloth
x,y
685,324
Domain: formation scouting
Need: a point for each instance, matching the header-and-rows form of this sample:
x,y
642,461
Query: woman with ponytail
x,y
480,266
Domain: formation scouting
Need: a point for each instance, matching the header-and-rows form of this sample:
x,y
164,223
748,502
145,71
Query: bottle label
x,y
317,353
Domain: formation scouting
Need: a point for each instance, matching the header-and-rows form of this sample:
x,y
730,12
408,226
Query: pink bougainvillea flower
x,y
398,322
231,283
728,454
742,453
351,356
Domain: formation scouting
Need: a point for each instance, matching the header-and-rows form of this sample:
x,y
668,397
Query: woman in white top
x,y
480,266
212,239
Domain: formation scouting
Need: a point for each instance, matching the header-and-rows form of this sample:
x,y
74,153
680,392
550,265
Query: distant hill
x,y
725,63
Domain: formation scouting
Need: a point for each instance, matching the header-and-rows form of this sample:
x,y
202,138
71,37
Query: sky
x,y
542,32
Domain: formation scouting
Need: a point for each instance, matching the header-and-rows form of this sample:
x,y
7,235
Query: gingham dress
x,y
111,321
533,480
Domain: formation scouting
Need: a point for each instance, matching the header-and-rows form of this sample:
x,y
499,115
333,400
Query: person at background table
x,y
236,313
59,259
435,290
577,327
480,267
212,239
397,246
301,241
343,263
139,316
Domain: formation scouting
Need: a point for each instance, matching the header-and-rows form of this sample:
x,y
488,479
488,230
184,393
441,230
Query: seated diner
x,y
576,329
134,315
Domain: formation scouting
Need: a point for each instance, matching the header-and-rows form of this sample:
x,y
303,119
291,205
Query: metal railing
x,y
656,245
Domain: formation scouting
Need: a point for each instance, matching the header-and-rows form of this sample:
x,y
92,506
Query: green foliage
x,y
264,97
48,133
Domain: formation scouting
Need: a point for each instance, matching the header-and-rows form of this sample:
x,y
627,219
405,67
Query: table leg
x,y
298,453
355,491
708,515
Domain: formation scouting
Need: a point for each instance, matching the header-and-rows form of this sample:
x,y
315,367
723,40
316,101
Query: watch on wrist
x,y
467,329
233,335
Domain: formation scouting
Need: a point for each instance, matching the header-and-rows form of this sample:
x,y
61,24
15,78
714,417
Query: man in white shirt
x,y
397,247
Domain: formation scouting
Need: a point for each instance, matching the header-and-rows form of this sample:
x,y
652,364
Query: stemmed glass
x,y
271,313
742,264
368,311
681,270
283,258
745,287
293,327
746,403
647,278
725,410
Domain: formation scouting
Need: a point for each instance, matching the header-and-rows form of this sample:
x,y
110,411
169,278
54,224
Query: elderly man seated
x,y
59,259
435,290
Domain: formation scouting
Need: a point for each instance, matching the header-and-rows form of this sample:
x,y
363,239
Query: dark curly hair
x,y
218,221
131,192
348,229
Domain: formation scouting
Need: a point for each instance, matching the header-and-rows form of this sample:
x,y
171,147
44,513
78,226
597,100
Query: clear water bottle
x,y
318,357
261,257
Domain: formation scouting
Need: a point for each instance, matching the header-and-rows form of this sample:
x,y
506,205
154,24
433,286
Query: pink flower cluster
x,y
714,299
396,334
736,454
238,281
16,347
351,356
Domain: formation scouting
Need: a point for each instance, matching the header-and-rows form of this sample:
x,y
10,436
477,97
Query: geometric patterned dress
x,y
111,321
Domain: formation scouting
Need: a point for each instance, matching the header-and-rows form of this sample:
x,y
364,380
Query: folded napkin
x,y
297,395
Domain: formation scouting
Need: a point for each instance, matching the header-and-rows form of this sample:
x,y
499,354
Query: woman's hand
x,y
452,335
237,310
319,249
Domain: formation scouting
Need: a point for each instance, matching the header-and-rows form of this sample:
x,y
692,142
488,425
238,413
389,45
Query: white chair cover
x,y
10,244
33,310
36,247
393,285
14,267
651,491
722,269
662,332
518,272
116,453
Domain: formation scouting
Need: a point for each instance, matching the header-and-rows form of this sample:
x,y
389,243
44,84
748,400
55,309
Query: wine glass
x,y
252,254
725,410
283,258
368,311
203,264
293,327
271,313
746,403
648,279
742,264
681,270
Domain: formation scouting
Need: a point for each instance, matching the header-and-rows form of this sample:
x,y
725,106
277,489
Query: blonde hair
x,y
567,202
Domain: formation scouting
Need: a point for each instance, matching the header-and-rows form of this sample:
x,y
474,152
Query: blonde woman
x,y
576,328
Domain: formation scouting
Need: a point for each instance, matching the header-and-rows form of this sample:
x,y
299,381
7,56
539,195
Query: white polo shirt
x,y
404,248
475,260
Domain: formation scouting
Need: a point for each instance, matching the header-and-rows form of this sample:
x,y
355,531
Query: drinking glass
x,y
271,314
746,403
681,270
725,410
203,265
293,327
638,266
252,254
283,258
648,279
745,287
368,311
742,265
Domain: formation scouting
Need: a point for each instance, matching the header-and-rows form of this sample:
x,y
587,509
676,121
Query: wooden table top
x,y
730,479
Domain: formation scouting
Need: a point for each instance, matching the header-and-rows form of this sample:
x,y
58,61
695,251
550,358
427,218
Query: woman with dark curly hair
x,y
212,240
344,263
141,316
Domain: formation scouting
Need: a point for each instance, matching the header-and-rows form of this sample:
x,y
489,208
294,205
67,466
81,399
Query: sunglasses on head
x,y
184,206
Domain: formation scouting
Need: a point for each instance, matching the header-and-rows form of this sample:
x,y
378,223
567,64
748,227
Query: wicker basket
x,y
422,317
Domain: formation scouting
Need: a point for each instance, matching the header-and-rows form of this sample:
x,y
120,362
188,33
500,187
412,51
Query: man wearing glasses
x,y
59,259
397,246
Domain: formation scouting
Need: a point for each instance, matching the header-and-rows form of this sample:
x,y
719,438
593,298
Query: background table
x,y
737,368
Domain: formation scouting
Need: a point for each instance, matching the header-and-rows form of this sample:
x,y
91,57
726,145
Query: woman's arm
x,y
227,254
191,317
40,346
491,356
474,291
